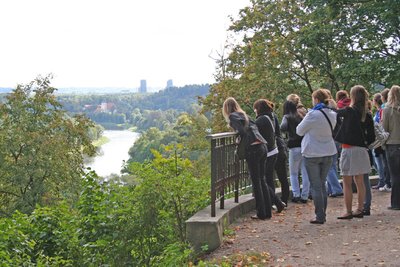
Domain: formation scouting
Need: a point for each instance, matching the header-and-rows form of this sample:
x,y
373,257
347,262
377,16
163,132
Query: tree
x,y
295,46
41,148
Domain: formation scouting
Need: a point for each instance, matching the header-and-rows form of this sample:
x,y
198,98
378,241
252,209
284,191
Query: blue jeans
x,y
317,169
381,169
296,163
332,179
393,159
368,195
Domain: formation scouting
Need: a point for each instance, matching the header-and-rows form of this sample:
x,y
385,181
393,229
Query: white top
x,y
317,140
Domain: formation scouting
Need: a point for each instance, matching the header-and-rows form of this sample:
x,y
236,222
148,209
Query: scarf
x,y
319,106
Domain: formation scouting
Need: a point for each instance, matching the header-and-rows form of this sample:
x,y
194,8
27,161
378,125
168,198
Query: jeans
x,y
381,171
317,169
368,195
281,172
393,160
256,156
295,163
388,178
332,179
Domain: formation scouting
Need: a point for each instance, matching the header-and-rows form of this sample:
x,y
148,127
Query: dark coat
x,y
352,130
289,125
237,121
266,129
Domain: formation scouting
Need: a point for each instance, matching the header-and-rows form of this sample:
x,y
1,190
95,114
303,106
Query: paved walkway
x,y
291,240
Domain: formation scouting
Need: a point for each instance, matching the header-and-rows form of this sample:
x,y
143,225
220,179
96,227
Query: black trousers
x,y
282,174
269,177
256,156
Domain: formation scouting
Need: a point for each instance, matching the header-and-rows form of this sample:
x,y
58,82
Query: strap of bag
x,y
326,116
272,124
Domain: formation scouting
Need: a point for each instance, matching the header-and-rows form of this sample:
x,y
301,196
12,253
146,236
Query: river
x,y
114,152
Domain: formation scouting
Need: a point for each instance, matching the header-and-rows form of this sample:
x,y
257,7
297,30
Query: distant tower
x,y
143,86
169,84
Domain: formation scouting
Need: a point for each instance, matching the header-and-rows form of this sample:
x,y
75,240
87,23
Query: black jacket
x,y
289,124
237,121
352,130
267,129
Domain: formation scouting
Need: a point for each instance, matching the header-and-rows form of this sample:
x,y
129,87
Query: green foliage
x,y
41,149
295,46
112,224
186,129
142,111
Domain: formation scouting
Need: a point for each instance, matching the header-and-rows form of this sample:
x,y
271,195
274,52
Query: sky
x,y
113,43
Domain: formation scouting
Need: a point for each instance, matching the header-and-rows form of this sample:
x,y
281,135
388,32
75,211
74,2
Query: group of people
x,y
343,127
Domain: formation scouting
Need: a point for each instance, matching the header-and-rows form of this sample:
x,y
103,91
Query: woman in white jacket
x,y
317,148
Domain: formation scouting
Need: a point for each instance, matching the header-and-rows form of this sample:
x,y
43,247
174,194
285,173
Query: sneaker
x,y
385,188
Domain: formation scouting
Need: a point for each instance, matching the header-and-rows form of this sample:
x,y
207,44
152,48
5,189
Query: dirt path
x,y
291,240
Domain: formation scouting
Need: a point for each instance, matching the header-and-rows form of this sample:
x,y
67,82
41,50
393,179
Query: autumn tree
x,y
295,46
41,148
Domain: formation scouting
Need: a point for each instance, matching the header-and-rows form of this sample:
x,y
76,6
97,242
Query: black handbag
x,y
241,147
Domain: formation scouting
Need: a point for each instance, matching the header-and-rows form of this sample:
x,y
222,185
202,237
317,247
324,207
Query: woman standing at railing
x,y
266,125
256,155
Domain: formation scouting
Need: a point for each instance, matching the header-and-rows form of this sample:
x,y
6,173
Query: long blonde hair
x,y
231,105
359,100
394,97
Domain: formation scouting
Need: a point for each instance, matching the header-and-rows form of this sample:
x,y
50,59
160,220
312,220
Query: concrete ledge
x,y
204,230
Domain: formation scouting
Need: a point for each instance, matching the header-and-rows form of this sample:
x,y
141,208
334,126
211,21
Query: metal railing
x,y
229,176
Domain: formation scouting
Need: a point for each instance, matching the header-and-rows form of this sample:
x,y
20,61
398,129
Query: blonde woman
x,y
256,155
355,134
391,124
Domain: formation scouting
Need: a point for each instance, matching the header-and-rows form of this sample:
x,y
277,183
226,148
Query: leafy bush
x,y
113,224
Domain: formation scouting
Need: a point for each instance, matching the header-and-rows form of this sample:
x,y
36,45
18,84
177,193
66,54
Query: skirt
x,y
354,161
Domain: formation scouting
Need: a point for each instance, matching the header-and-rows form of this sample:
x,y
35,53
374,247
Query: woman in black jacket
x,y
256,155
267,126
355,134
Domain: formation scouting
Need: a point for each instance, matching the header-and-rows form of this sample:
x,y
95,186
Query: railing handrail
x,y
228,174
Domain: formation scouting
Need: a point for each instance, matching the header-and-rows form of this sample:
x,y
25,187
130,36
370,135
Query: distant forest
x,y
122,110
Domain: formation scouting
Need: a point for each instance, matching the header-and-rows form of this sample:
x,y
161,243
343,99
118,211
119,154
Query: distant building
x,y
105,107
169,84
143,86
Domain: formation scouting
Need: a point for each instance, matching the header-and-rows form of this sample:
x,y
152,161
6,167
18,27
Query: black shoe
x,y
367,212
296,199
346,217
359,214
393,208
310,197
316,222
304,201
280,207
255,217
